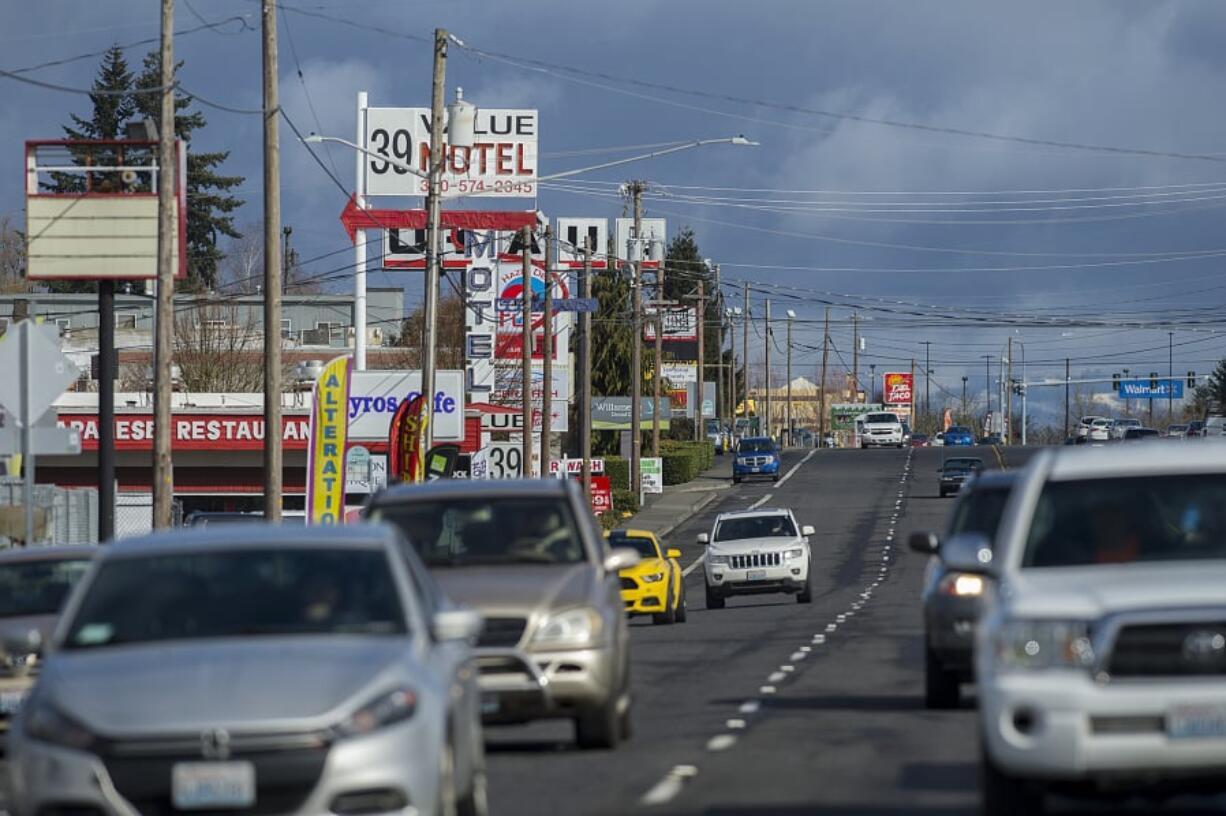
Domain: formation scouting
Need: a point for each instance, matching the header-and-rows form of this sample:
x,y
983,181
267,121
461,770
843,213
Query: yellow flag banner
x,y
325,499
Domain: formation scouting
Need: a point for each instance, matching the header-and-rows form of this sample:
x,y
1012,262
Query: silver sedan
x,y
255,669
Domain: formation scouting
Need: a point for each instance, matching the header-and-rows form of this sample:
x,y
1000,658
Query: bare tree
x,y
12,257
242,269
216,350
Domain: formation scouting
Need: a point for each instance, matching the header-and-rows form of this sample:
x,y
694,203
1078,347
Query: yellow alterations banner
x,y
325,497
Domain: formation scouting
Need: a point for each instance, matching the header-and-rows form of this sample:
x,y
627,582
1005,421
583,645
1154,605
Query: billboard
x,y
897,387
679,324
501,163
375,395
1146,389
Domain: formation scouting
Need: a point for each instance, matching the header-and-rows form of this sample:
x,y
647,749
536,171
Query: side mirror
x,y
620,559
968,552
807,530
704,538
456,624
672,552
21,642
925,543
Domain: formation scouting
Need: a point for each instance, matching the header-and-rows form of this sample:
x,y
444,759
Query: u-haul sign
x,y
502,161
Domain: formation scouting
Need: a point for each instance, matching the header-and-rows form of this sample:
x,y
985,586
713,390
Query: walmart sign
x,y
1140,389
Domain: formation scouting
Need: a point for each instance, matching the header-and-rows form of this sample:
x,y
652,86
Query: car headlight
x,y
388,708
962,585
46,723
741,460
795,552
574,627
717,560
1029,645
651,579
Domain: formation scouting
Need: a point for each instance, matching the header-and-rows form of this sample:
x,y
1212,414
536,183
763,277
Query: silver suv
x,y
529,557
1101,663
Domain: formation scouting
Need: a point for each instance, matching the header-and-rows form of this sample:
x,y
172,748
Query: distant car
x,y
528,556
1119,427
264,669
882,429
906,433
751,552
1134,434
1215,426
1086,423
957,436
938,440
1178,431
1099,430
204,518
1196,429
991,439
956,471
654,586
34,583
952,599
717,435
919,440
756,456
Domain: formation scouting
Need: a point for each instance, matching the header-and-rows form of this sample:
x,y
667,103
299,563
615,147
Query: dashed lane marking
x,y
796,467
667,788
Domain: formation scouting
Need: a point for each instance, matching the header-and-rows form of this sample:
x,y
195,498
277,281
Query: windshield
x,y
238,593
963,464
956,429
38,587
469,531
980,511
774,525
879,418
1124,520
755,446
640,544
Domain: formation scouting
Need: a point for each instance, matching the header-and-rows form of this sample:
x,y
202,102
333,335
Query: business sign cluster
x,y
898,388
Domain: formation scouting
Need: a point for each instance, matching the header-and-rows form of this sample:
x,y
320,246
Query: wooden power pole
x,y
272,271
163,387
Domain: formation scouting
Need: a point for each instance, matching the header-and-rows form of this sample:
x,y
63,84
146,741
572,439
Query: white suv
x,y
756,551
1101,661
882,429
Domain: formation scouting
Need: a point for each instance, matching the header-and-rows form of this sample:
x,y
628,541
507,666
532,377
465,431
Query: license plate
x,y
756,575
754,470
212,785
490,704
1197,722
10,701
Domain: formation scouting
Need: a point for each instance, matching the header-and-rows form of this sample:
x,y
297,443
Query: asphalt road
x,y
773,708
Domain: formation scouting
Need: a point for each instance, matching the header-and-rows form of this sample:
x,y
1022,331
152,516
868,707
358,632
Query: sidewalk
x,y
665,511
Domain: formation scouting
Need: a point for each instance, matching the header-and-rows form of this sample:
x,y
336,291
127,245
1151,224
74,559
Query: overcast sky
x,y
1143,76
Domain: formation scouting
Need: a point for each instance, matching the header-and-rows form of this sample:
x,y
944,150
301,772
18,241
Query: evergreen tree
x,y
1211,396
685,267
210,207
612,335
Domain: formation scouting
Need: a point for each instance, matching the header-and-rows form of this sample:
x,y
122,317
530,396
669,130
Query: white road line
x,y
761,501
735,724
722,742
749,707
697,562
667,788
796,467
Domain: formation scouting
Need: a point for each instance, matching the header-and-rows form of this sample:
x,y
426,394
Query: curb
x,y
693,511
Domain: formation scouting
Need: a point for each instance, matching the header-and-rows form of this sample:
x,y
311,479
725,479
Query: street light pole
x,y
636,356
791,430
434,206
766,344
987,386
1170,382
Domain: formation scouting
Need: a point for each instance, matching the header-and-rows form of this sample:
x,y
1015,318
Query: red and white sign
x,y
602,495
575,466
680,324
215,432
502,161
898,388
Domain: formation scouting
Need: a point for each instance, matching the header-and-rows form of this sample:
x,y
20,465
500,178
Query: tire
x,y
941,686
476,801
599,727
447,804
714,601
736,479
683,611
806,595
1003,795
775,478
668,616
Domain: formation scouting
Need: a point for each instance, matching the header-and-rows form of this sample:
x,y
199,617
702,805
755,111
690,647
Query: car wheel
x,y
941,687
599,726
683,611
775,478
447,800
806,595
476,801
714,601
1005,795
668,616
736,479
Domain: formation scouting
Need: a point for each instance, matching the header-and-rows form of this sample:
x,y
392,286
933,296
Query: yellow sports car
x,y
654,586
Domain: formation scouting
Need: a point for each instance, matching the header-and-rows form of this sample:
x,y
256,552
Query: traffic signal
x,y
1153,381
1191,379
1115,381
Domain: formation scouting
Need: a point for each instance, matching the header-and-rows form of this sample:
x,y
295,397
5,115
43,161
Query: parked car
x,y
527,555
1099,663
952,599
312,670
717,435
751,552
956,471
34,583
756,456
919,440
654,586
958,435
882,429
1136,434
938,439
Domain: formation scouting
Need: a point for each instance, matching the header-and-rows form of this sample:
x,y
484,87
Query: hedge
x,y
618,471
684,461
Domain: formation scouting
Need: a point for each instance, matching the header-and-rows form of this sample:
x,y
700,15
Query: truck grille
x,y
1169,650
502,632
756,461
755,560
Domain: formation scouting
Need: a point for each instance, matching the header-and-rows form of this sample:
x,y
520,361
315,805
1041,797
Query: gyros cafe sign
x,y
502,162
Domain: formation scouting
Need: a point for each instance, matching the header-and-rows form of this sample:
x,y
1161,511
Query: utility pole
x,y
525,246
272,270
658,322
585,371
987,385
855,355
821,405
927,378
163,468
1007,393
1067,378
1127,401
636,357
434,206
791,430
964,409
766,344
547,359
1170,382
702,361
913,412
107,364
745,353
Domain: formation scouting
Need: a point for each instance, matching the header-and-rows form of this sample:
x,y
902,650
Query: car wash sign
x,y
502,161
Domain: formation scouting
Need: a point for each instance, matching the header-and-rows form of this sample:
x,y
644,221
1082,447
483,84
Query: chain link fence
x,y
69,515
